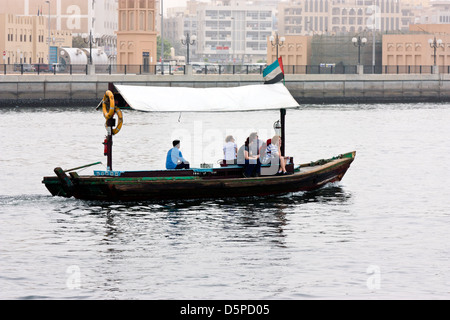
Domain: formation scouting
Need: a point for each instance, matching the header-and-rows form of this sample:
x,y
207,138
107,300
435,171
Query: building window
x,y
150,23
142,20
131,20
123,21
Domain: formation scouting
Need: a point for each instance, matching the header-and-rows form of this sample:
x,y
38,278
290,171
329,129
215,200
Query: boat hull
x,y
144,187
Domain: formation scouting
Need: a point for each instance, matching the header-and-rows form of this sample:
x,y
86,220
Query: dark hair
x,y
175,142
253,135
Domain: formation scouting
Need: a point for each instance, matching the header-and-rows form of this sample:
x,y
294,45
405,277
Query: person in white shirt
x,y
230,150
273,155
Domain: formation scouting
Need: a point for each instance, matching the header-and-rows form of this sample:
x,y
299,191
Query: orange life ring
x,y
108,110
119,124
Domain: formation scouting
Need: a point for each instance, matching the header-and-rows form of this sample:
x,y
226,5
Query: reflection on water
x,y
332,192
247,220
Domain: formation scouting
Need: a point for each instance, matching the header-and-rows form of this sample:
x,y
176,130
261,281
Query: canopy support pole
x,y
110,123
283,130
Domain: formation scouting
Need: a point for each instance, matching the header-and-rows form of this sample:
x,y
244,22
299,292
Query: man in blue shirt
x,y
174,159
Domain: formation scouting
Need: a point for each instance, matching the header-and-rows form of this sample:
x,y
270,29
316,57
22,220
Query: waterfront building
x,y
295,50
178,23
234,31
137,37
227,31
325,50
308,17
78,17
414,50
339,50
436,12
23,40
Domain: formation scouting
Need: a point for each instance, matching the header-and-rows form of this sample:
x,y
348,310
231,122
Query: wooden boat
x,y
196,183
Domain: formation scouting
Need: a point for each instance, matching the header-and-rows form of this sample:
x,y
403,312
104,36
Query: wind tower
x,y
136,35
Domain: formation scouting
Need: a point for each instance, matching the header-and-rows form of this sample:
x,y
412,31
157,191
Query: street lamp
x,y
359,42
162,37
277,41
435,44
188,41
90,40
233,25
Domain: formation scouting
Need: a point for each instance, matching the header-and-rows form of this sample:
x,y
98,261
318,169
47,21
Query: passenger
x,y
230,151
241,155
174,159
273,156
252,165
262,150
255,145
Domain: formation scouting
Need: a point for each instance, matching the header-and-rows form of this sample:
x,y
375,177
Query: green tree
x,y
167,46
78,42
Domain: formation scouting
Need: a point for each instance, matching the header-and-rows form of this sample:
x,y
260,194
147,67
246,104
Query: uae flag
x,y
274,73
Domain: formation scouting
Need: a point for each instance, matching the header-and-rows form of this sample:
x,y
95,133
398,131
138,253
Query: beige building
x,y
415,50
295,50
435,12
430,28
64,14
307,17
79,17
23,39
136,37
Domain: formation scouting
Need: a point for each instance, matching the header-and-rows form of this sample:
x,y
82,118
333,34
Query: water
x,y
382,233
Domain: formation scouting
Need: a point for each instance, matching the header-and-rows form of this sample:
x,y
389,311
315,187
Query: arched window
x,y
150,22
142,20
131,25
123,21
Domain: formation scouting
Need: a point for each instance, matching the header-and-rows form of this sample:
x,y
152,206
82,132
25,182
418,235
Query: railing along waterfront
x,y
44,69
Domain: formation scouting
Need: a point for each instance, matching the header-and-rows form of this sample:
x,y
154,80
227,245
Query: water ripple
x,y
387,220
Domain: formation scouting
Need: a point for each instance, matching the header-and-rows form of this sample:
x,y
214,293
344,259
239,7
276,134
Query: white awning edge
x,y
184,99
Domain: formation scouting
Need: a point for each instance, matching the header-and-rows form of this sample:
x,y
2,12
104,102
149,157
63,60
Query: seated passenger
x,y
174,159
262,150
248,156
274,157
230,151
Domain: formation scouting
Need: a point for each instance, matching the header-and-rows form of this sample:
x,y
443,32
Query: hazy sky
x,y
176,3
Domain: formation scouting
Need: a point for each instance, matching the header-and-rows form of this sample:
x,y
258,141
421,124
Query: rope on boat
x,y
324,161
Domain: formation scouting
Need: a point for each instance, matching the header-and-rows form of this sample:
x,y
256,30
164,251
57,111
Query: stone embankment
x,y
80,90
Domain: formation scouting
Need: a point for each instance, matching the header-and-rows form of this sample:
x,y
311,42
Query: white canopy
x,y
177,99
